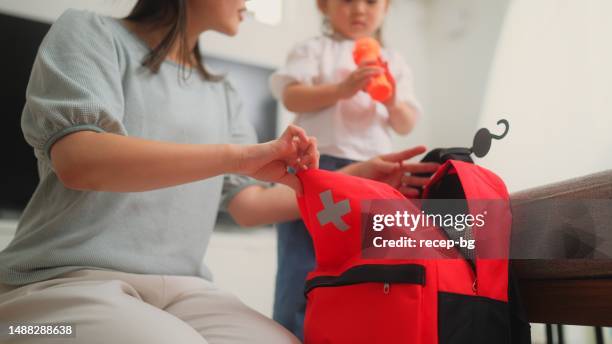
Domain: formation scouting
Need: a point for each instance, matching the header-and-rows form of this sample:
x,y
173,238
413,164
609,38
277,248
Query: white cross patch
x,y
333,212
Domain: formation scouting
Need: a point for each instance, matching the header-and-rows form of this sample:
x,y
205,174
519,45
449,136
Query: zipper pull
x,y
386,288
475,286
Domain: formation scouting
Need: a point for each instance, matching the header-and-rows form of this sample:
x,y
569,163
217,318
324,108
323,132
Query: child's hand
x,y
358,80
393,100
269,161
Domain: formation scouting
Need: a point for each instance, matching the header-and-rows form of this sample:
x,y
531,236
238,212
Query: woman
x,y
133,138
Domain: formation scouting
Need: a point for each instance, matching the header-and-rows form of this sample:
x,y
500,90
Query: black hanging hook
x,y
483,138
482,145
505,123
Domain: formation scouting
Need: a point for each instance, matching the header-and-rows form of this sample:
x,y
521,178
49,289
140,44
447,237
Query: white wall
x,y
266,45
462,40
552,79
406,30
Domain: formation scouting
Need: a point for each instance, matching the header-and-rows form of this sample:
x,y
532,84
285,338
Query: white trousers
x,y
116,307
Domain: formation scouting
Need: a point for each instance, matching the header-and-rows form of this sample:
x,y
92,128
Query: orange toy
x,y
380,87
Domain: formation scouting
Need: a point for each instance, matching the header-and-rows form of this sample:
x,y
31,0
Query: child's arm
x,y
402,117
300,98
257,205
114,163
402,114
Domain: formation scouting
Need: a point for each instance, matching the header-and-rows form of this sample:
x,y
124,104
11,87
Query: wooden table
x,y
563,231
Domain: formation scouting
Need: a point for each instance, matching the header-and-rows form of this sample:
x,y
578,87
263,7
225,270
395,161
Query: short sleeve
x,y
241,131
404,82
75,83
301,67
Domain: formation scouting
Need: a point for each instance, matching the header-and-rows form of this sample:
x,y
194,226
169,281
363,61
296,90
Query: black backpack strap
x,y
449,189
520,330
442,155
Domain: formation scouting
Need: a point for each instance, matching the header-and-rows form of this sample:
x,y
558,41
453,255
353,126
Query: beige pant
x,y
114,307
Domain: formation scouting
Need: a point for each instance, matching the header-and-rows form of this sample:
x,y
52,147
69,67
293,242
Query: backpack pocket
x,y
366,304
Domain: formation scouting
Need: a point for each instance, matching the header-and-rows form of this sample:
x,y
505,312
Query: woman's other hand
x,y
392,169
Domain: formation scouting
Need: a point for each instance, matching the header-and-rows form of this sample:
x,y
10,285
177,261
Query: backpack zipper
x,y
368,273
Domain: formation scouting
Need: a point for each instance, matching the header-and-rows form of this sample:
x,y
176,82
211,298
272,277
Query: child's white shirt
x,y
356,128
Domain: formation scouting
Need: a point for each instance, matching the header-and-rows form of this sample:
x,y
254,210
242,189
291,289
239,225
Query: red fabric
x,y
335,249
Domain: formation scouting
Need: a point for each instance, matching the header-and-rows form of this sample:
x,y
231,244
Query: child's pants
x,y
295,259
115,307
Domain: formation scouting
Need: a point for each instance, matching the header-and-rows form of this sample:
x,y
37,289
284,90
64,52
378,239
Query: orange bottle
x,y
380,88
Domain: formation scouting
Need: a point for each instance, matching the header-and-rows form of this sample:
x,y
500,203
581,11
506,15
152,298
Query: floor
x,y
243,261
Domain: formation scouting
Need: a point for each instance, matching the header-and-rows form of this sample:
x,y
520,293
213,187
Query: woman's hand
x,y
391,169
270,161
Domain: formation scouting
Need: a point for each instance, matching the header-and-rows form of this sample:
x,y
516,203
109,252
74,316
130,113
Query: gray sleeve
x,y
75,83
241,132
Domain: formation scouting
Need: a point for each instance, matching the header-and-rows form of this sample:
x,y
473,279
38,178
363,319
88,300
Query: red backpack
x,y
356,299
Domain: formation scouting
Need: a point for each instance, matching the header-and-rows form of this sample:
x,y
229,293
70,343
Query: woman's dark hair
x,y
173,15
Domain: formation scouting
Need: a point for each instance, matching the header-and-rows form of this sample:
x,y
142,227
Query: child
x,y
324,87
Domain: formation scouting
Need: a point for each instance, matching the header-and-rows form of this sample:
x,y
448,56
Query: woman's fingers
x,y
300,152
312,154
295,131
294,135
386,167
420,167
298,142
292,181
405,154
306,162
408,180
307,155
409,192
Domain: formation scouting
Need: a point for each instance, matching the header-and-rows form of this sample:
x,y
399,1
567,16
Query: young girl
x,y
324,87
133,138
